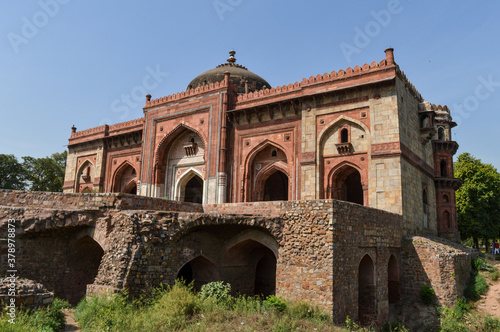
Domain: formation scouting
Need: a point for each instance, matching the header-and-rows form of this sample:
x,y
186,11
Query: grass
x,y
48,319
178,308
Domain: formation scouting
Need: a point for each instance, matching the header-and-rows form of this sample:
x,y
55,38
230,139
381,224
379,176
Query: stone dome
x,y
241,76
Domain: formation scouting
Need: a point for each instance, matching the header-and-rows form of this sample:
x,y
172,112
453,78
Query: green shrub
x,y
274,302
351,325
217,290
491,324
47,319
304,310
494,275
478,264
476,286
427,294
394,326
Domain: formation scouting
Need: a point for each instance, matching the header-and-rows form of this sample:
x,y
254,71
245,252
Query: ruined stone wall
x,y
438,263
91,201
319,248
358,232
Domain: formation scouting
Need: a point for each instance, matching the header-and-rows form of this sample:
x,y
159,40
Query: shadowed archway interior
x,y
276,187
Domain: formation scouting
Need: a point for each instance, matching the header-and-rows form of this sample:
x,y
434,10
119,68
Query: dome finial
x,y
231,58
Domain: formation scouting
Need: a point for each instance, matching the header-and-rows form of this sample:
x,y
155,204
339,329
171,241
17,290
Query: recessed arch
x,y
275,174
195,190
84,259
265,159
261,146
333,124
170,137
253,267
393,288
85,176
366,291
199,270
345,183
124,178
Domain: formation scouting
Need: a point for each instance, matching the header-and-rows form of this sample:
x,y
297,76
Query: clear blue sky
x,y
65,62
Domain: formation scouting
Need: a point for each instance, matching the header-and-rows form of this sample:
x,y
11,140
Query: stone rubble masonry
x,y
138,243
89,201
442,264
29,294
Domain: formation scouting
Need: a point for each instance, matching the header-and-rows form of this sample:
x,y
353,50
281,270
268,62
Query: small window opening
x,y
426,208
274,153
344,136
441,133
443,168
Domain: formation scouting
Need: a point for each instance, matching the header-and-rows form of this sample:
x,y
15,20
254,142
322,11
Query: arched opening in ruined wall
x,y
367,310
250,268
346,185
84,258
200,271
393,291
265,276
276,187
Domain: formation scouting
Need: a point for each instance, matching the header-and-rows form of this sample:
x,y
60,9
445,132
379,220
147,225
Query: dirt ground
x,y
70,320
490,302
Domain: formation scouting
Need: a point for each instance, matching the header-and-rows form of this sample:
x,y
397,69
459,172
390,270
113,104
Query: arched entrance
x,y
346,185
125,179
276,187
393,280
193,191
366,291
200,271
267,174
180,150
265,276
84,258
250,267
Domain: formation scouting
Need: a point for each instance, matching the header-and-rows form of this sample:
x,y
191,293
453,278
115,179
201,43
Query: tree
x,y
12,174
478,199
45,174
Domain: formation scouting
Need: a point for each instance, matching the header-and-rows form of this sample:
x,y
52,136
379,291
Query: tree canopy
x,y
12,173
478,199
38,174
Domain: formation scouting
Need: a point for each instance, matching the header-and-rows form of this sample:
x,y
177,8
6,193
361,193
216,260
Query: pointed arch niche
x,y
345,184
85,177
268,177
343,160
190,187
181,150
125,179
